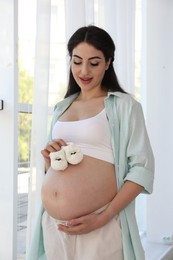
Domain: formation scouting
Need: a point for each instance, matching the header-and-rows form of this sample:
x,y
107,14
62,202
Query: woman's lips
x,y
85,80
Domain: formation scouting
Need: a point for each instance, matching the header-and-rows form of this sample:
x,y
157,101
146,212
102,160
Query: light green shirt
x,y
134,161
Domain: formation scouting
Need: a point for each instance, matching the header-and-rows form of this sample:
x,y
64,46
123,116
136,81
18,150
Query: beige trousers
x,y
104,243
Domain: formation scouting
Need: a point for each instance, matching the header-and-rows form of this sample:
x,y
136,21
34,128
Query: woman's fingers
x,y
55,145
52,146
82,225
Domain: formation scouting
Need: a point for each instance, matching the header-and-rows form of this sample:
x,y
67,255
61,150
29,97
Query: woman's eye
x,y
94,64
77,63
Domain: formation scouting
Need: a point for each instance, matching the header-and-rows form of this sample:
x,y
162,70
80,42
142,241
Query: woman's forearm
x,y
124,197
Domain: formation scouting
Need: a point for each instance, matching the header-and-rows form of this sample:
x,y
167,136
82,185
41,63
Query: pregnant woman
x,y
89,211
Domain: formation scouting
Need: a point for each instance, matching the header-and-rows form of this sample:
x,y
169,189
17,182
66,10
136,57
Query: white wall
x,y
8,131
159,94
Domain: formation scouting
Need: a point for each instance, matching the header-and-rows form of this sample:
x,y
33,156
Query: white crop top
x,y
91,135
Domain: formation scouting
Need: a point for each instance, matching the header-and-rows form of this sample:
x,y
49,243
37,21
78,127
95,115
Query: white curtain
x,y
55,21
40,108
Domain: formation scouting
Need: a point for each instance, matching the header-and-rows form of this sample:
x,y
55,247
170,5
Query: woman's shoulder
x,y
66,101
123,99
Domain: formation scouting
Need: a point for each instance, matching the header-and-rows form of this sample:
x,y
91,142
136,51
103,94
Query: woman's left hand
x,y
82,225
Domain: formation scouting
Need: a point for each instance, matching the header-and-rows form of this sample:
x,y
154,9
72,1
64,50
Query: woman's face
x,y
88,66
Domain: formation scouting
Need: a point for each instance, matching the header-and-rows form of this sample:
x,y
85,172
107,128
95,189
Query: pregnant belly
x,y
79,190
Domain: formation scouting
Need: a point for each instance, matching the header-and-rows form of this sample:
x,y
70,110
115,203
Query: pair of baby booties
x,y
70,153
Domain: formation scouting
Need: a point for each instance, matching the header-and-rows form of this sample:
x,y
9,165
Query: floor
x,y
21,225
22,213
153,251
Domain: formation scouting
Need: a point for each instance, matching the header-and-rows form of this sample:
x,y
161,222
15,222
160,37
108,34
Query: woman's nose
x,y
84,69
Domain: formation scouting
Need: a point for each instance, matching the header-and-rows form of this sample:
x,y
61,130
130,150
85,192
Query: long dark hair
x,y
102,41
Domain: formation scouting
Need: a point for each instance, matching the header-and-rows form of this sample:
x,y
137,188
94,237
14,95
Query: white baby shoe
x,y
73,153
58,160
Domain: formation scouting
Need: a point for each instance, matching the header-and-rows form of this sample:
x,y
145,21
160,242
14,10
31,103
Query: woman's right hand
x,y
52,146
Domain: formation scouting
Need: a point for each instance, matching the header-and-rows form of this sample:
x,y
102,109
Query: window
x,y
26,43
27,26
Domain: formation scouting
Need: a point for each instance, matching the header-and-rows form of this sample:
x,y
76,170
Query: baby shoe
x,y
73,153
58,160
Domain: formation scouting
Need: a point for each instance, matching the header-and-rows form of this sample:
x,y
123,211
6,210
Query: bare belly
x,y
79,190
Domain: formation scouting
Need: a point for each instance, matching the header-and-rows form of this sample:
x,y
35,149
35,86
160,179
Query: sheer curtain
x,y
40,107
56,21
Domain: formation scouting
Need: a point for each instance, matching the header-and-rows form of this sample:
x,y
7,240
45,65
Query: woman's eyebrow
x,y
94,57
74,55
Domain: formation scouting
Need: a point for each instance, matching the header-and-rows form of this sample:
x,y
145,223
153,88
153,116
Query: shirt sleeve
x,y
139,152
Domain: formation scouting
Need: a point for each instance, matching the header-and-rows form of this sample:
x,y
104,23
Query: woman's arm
x,y
124,197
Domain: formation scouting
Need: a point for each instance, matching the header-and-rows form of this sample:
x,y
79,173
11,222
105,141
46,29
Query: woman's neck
x,y
85,96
